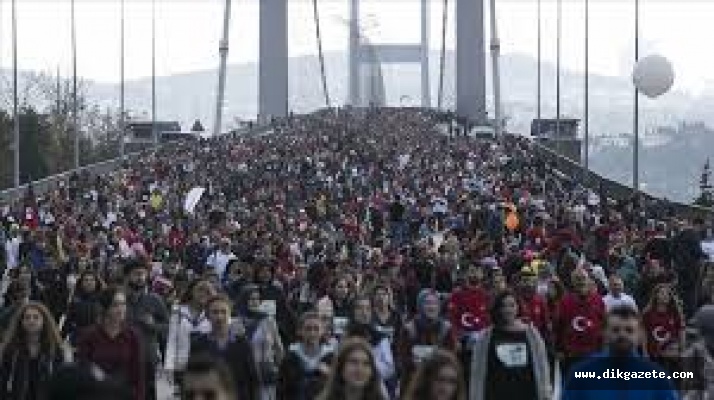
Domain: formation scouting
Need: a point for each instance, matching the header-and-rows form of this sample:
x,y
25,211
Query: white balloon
x,y
653,76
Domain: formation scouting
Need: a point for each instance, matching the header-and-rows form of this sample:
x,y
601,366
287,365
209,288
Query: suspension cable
x,y
318,36
444,21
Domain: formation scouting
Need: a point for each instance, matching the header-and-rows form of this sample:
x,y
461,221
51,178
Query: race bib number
x,y
387,331
512,355
268,307
421,353
340,325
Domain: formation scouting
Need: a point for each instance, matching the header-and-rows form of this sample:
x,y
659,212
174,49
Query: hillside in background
x,y
670,162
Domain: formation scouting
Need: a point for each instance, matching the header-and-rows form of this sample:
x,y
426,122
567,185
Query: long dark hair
x,y
335,388
422,383
15,338
106,299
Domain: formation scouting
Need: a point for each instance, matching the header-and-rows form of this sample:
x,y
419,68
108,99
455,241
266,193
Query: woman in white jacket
x,y
187,319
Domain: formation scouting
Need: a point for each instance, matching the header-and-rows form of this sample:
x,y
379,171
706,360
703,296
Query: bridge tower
x,y
273,59
362,52
470,60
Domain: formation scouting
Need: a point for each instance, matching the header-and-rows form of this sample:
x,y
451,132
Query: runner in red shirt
x,y
532,306
580,315
663,320
468,304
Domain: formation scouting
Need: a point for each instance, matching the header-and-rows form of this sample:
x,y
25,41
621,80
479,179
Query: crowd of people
x,y
348,254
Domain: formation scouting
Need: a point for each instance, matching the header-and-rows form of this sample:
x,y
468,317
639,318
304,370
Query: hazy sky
x,y
188,32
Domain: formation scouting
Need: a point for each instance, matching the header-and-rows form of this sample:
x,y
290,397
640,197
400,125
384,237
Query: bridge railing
x,y
44,185
613,189
49,183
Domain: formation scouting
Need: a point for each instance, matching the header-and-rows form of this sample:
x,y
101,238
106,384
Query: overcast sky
x,y
188,32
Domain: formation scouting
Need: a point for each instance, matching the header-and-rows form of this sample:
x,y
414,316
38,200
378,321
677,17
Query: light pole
x,y
122,118
15,113
154,131
75,119
636,111
586,117
444,20
539,50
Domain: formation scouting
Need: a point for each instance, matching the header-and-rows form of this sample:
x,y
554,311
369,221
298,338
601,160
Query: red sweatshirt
x,y
661,328
534,309
119,357
579,324
468,310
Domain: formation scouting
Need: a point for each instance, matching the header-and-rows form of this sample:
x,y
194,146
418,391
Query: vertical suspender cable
x,y
442,59
559,25
495,54
318,35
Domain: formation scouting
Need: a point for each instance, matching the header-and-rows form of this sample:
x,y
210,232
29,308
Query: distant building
x,y
559,136
143,132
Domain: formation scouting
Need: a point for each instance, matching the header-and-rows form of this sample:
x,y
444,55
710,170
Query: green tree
x,y
197,126
706,190
35,139
6,150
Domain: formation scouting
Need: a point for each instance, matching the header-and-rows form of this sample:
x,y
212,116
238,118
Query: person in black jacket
x,y
84,309
149,313
270,290
228,342
29,354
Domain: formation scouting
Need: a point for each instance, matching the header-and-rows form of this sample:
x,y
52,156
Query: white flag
x,y
192,199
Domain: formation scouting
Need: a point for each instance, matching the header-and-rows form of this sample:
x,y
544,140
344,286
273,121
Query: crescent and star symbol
x,y
660,334
468,320
580,323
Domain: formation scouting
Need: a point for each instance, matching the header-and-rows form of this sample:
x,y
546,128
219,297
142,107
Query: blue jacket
x,y
610,383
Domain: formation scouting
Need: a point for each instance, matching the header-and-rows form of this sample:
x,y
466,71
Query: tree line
x,y
47,133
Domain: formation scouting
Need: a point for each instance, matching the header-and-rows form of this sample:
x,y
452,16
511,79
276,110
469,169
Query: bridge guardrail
x,y
49,183
614,189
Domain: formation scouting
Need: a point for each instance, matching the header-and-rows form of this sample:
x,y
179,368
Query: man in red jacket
x,y
468,304
580,316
